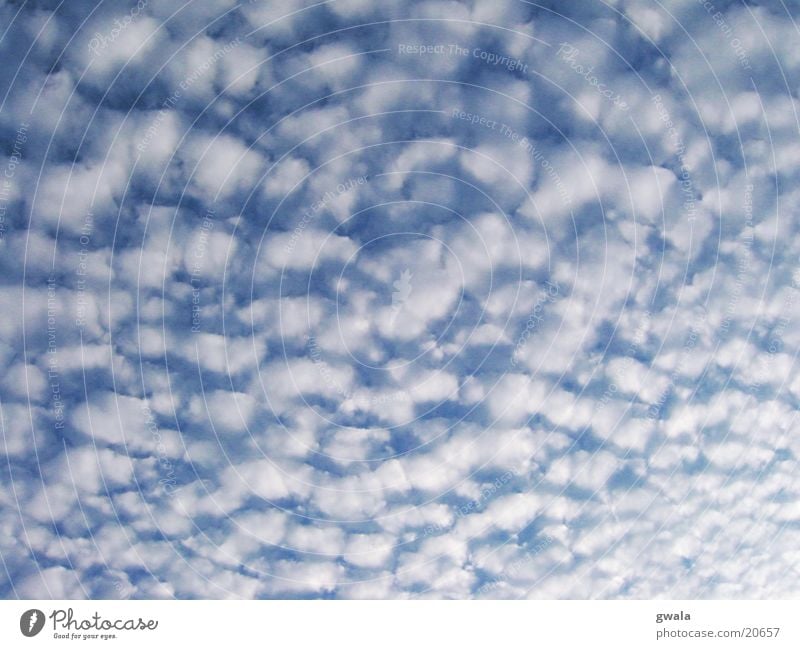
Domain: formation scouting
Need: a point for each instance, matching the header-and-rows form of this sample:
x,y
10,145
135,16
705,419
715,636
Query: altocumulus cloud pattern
x,y
433,299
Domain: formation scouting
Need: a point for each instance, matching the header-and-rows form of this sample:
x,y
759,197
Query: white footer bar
x,y
399,624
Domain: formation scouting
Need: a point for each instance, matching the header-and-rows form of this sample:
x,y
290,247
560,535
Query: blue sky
x,y
396,299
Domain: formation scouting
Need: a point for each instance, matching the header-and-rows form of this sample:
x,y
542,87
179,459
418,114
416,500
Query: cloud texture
x,y
428,299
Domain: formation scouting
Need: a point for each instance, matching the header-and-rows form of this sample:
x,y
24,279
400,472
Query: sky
x,y
475,299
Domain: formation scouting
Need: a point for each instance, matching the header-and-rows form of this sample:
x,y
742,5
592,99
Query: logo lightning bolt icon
x,y
31,622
